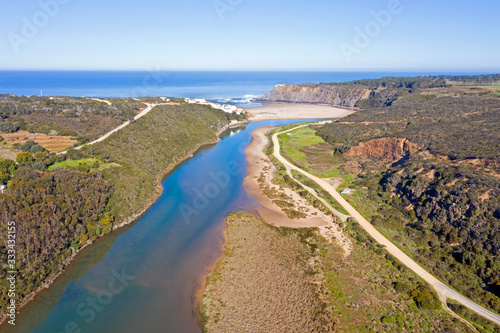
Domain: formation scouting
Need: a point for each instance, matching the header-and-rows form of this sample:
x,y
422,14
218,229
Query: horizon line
x,y
475,70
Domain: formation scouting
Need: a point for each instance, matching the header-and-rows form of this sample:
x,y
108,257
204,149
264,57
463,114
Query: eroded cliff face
x,y
384,149
334,95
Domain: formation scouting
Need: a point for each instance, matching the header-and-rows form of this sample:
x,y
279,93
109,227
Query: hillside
x,y
369,92
361,93
425,172
60,203
80,117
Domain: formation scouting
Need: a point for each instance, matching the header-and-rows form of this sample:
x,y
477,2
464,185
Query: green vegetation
x,y
93,163
62,202
435,192
148,147
394,82
304,148
8,127
473,80
309,151
481,324
458,127
53,212
81,117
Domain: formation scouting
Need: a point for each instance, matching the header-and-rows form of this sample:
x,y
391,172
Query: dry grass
x,y
53,143
293,280
262,283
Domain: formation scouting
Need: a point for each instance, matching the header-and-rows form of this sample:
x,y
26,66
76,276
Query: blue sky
x,y
420,35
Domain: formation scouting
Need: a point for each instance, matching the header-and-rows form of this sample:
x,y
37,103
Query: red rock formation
x,y
384,149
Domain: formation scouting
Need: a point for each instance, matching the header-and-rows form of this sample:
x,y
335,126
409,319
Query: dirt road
x,y
443,291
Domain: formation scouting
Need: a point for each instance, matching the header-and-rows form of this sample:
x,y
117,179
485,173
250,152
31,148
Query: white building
x,y
226,107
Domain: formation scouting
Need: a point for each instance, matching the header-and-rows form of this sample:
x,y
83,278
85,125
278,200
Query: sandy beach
x,y
296,111
259,163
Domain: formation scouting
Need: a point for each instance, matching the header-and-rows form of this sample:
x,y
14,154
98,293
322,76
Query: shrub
x,y
7,166
401,287
423,296
27,145
36,148
40,166
8,127
24,158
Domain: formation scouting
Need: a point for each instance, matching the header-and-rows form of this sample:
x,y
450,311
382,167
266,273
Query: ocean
x,y
234,87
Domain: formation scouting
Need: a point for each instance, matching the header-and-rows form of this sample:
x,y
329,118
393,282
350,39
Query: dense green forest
x,y
53,213
441,202
394,82
429,81
63,202
147,148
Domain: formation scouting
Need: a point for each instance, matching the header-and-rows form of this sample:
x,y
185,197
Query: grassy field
x,y
90,162
307,150
310,152
291,280
296,145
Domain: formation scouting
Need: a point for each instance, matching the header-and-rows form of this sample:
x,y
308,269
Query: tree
x,y
24,158
7,166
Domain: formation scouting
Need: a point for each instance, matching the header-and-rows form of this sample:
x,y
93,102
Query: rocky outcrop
x,y
384,149
321,94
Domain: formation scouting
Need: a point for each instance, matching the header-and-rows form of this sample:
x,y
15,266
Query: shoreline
x,y
286,110
127,221
201,283
270,211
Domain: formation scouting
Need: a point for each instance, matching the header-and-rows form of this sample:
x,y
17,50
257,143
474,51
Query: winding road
x,y
443,291
105,136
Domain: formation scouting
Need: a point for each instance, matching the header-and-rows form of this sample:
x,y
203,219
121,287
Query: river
x,y
141,278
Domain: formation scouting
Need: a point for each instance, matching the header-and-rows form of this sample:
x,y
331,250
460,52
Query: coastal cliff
x,y
322,94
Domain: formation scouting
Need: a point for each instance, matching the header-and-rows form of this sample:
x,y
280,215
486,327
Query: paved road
x,y
443,291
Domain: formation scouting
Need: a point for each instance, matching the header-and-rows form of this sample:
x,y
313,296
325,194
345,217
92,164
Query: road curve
x,y
443,291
